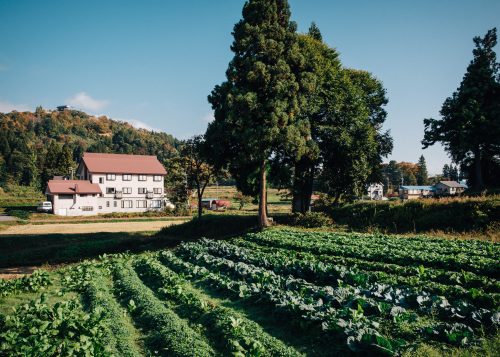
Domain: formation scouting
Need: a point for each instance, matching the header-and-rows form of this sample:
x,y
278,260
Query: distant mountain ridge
x,y
35,145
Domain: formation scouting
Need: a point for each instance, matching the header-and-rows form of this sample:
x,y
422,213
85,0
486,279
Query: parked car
x,y
169,205
214,204
45,206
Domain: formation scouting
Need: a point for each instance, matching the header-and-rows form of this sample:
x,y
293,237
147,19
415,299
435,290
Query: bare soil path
x,y
69,228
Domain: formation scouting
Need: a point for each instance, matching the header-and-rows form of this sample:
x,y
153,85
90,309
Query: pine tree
x,y
314,32
422,175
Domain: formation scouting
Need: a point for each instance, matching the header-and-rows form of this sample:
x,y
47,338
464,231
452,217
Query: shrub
x,y
25,215
311,220
446,214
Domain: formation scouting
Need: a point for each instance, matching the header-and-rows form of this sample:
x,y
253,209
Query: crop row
x,y
319,272
411,275
98,297
347,325
31,283
372,294
62,329
339,311
233,332
474,248
403,255
169,334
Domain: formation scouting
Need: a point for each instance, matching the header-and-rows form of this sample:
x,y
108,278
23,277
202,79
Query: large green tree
x,y
256,107
343,109
470,124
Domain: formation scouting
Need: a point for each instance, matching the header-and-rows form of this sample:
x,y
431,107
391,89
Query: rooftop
x,y
71,187
123,164
427,188
453,184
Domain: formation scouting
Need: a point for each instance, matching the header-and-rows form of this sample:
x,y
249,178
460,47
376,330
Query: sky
x,y
153,63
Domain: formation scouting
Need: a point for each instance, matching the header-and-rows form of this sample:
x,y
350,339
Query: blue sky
x,y
153,63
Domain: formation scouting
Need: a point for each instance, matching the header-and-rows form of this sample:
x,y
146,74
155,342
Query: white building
x,y
375,191
110,183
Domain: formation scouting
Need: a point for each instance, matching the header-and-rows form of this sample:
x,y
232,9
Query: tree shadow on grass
x,y
27,250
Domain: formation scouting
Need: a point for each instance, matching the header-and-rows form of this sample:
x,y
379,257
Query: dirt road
x,y
69,228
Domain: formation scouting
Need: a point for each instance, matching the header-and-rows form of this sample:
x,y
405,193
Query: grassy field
x,y
282,292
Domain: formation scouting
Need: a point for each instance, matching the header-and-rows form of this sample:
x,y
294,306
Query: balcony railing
x,y
149,195
118,194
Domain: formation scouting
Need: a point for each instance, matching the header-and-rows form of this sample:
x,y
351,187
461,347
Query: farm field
x,y
281,292
95,227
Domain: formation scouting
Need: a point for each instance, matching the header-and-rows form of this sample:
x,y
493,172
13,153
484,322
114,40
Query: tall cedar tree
x,y
470,124
255,108
422,175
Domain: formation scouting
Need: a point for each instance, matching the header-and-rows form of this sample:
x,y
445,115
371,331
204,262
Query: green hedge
x,y
458,215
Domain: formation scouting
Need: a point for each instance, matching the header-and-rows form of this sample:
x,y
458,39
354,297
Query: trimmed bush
x,y
311,220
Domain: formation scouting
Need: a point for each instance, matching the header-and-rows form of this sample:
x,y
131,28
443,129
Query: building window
x,y
127,177
107,203
87,208
142,177
65,197
115,204
83,195
127,204
100,207
142,190
142,204
110,190
157,190
156,204
157,178
127,190
101,179
110,177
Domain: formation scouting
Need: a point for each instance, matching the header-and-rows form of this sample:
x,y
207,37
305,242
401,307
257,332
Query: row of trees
x,y
290,111
405,173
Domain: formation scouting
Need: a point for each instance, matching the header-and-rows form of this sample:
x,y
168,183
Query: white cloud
x,y
6,107
139,124
208,118
85,102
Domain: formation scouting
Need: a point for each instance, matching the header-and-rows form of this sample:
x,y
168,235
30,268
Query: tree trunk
x,y
302,186
200,208
263,221
478,170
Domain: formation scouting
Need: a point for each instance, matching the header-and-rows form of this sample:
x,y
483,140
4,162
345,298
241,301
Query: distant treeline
x,y
36,146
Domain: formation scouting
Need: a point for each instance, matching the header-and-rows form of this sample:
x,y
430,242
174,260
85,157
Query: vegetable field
x,y
275,293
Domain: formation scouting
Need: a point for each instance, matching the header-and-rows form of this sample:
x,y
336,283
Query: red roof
x,y
71,187
123,164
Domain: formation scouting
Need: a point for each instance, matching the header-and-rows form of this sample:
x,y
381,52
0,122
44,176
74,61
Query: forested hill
x,y
36,146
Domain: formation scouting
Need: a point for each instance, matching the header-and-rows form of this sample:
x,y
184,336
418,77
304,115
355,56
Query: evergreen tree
x,y
422,175
255,109
469,128
314,32
446,171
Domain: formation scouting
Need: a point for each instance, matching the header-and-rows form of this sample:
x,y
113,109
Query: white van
x,y
45,206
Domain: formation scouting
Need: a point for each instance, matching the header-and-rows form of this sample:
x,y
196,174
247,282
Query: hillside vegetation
x,y
36,146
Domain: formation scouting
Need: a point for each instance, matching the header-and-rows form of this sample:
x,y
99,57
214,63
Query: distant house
x,y
414,192
110,183
62,108
449,188
375,191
